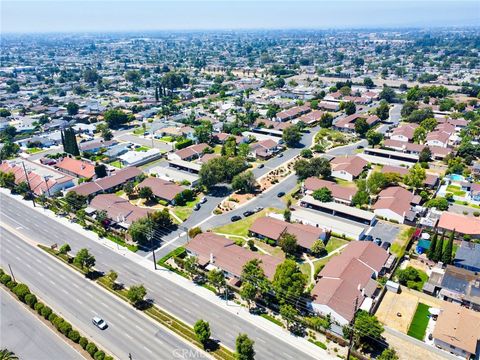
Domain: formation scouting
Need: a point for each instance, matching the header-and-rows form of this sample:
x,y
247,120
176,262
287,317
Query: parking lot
x,y
386,231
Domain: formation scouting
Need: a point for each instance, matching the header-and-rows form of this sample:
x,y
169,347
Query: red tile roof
x,y
338,192
80,168
460,223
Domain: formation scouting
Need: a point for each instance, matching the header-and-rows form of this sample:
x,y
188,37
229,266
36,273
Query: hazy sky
x,y
109,15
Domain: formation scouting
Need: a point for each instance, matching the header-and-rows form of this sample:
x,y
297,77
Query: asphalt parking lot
x,y
385,231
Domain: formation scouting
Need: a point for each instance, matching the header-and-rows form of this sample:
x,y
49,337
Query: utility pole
x,y
150,234
46,183
352,329
11,272
28,183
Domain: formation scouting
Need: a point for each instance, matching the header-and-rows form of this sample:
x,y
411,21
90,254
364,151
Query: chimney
x,y
212,258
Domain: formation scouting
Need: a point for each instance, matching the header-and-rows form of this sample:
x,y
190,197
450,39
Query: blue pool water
x,y
456,177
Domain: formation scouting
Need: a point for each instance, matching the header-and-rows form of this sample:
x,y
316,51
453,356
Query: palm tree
x,y
6,354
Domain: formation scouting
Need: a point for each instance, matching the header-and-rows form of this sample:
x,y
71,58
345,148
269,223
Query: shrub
x,y
91,348
74,336
65,328
5,279
83,342
476,213
38,307
21,290
30,300
52,317
99,355
11,285
46,311
58,322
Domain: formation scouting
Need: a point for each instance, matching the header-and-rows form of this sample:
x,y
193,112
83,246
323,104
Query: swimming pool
x,y
456,177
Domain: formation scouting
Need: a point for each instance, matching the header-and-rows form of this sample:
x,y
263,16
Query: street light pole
x,y
150,234
11,272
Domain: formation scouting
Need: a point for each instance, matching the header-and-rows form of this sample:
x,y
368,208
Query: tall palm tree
x,y
6,354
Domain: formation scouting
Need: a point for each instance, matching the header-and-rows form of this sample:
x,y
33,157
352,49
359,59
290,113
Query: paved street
x,y
78,300
175,298
24,334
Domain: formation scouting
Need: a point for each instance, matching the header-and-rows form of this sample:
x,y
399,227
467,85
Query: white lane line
x,y
75,285
261,340
150,351
89,295
288,356
52,282
138,327
123,317
17,222
168,300
29,266
79,301
129,336
16,257
187,311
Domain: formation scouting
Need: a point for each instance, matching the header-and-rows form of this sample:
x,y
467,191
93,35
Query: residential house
x,y
348,167
162,189
264,149
95,145
292,113
76,168
394,203
136,158
462,224
348,281
468,256
189,153
217,252
273,229
404,133
457,330
341,194
431,180
461,286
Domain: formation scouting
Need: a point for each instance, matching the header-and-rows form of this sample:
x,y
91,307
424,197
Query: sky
x,y
40,16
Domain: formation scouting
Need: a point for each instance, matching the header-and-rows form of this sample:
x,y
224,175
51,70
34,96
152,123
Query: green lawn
x,y
116,163
456,190
142,148
34,150
469,205
183,212
241,227
334,243
217,149
166,139
400,243
138,131
419,322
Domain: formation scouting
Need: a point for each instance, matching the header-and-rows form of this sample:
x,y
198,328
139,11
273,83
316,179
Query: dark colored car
x,y
261,166
235,218
280,194
248,213
196,207
386,245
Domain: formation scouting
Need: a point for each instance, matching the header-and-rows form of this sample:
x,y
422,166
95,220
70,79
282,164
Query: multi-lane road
x,y
77,300
180,301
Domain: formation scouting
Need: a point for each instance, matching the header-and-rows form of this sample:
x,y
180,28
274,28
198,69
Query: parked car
x,y
235,218
197,207
261,166
258,209
203,200
280,155
280,194
378,241
368,238
386,245
99,322
248,213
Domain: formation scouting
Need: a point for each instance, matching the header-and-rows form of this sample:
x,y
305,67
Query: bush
x,y
65,328
74,336
91,348
11,284
38,307
30,300
476,213
83,342
52,317
99,355
21,290
5,279
58,322
46,311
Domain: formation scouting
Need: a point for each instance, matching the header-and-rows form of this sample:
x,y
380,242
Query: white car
x,y
99,322
203,200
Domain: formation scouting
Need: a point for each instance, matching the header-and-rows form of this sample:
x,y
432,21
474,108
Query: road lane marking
x,y
129,336
18,223
138,327
79,301
150,351
52,282
123,317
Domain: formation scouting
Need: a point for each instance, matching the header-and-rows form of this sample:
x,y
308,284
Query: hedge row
x,y
24,295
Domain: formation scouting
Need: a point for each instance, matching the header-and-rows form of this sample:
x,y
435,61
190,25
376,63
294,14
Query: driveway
x,y
385,231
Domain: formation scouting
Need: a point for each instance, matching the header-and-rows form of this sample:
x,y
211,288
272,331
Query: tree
x,y
4,112
64,249
425,155
323,194
288,243
69,142
326,120
387,94
112,276
437,255
388,354
100,170
6,354
244,182
439,202
429,124
133,76
306,153
84,259
202,332
349,107
248,292
244,348
433,245
136,294
374,138
409,274
288,282
138,230
217,279
367,328
448,252
145,192
419,135
90,76
383,110
316,166
415,177
9,150
190,265
368,83
115,118
288,313
72,108
161,219
105,132
361,126
75,201
318,248
292,136
129,188
203,132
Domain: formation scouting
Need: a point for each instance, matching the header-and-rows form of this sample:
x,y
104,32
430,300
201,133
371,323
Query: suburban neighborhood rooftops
x,y
359,213
118,209
79,168
353,165
460,223
161,188
340,192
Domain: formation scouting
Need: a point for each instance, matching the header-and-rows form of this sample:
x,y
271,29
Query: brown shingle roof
x,y
161,188
338,192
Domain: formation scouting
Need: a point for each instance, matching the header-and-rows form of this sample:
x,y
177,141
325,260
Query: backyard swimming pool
x,y
456,177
